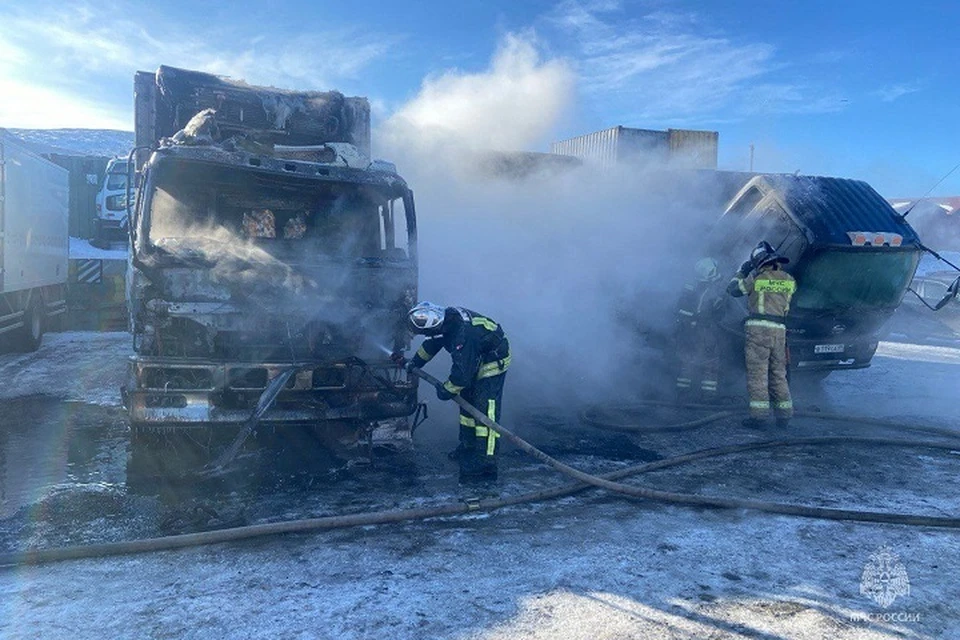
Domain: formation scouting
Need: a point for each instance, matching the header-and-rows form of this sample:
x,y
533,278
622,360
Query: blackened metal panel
x,y
278,115
145,116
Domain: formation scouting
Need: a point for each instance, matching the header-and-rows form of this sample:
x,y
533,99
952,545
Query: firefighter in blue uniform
x,y
480,353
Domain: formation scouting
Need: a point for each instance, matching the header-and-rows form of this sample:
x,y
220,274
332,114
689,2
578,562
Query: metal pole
x,y
751,157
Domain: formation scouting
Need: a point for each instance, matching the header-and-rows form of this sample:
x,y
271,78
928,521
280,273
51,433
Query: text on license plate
x,y
828,348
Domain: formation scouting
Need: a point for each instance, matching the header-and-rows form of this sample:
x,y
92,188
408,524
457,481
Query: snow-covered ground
x,y
589,566
81,248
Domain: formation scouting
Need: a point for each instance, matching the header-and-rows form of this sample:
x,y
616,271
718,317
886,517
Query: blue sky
x,y
855,88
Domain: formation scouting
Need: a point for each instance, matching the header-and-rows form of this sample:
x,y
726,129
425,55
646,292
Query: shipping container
x,y
519,165
694,148
626,145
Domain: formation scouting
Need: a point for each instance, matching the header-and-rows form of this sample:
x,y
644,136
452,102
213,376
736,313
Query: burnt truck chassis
x,y
336,394
179,392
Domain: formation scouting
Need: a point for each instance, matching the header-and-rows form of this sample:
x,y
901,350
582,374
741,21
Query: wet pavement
x,y
586,562
66,476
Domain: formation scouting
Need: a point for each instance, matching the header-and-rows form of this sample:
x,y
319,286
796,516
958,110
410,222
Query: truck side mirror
x,y
951,293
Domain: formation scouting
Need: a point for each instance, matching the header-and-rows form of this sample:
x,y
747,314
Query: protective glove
x,y
443,394
409,365
745,269
398,359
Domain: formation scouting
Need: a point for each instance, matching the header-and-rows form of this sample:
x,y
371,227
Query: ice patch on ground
x,y
918,352
81,366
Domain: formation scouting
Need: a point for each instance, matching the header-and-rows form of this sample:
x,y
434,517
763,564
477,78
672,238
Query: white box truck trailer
x,y
34,214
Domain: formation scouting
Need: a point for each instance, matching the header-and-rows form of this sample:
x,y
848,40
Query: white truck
x,y
111,221
34,209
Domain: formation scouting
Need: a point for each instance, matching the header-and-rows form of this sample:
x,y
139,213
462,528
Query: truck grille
x,y
177,378
256,378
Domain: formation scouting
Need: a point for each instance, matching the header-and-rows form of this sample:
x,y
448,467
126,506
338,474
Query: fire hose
x,y
608,481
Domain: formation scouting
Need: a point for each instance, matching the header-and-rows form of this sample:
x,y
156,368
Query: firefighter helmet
x,y
707,270
765,254
426,316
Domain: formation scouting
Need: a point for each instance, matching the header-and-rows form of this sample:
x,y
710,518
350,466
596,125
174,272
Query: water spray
x,y
383,348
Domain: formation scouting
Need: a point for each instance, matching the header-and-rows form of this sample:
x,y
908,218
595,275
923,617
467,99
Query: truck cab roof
x,y
837,212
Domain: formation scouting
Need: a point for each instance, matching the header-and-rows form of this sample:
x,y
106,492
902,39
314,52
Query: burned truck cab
x,y
249,257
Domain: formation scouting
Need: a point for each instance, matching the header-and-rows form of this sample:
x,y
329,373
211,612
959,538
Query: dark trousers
x,y
698,353
478,444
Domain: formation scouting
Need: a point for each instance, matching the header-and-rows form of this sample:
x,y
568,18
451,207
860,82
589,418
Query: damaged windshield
x,y
193,212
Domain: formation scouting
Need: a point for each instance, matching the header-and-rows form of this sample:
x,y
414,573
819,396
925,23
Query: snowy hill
x,y
86,142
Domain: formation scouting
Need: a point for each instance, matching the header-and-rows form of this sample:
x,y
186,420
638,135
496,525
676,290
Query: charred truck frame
x,y
263,238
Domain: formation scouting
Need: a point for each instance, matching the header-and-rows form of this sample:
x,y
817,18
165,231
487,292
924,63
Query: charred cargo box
x,y
263,237
168,99
852,255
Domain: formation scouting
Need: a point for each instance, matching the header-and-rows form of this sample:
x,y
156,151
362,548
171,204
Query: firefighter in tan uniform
x,y
769,290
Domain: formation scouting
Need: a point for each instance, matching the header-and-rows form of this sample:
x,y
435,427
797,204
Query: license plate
x,y
828,348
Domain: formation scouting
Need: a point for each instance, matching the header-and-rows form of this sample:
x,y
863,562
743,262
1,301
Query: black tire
x,y
29,337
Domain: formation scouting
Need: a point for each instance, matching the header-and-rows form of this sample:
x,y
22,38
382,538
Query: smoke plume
x,y
515,104
571,261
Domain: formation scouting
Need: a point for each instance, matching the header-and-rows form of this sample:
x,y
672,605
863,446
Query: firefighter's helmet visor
x,y
426,316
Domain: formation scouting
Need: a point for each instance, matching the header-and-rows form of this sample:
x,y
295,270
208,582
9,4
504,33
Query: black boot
x,y
783,423
753,423
477,470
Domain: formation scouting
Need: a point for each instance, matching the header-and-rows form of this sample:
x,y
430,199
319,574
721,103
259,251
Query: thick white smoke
x,y
566,260
515,104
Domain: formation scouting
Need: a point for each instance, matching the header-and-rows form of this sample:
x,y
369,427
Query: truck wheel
x,y
30,336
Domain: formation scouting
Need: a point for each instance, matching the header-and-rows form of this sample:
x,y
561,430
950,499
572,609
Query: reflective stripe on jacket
x,y
768,292
478,348
699,301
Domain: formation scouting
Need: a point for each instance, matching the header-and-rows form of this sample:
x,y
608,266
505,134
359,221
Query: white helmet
x,y
707,270
426,316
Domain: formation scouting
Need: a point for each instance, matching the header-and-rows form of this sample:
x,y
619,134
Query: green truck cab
x,y
852,254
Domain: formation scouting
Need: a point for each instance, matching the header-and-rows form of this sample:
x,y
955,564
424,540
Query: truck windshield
x,y
854,279
291,220
116,181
